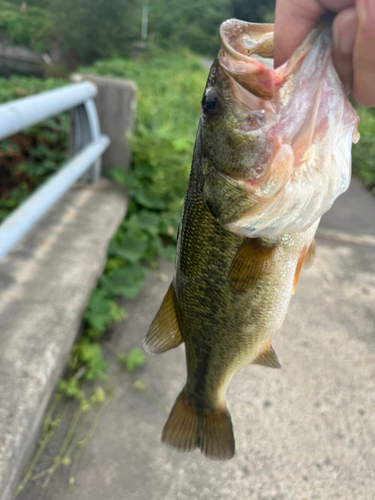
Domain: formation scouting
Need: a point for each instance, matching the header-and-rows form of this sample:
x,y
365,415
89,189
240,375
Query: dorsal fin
x,y
164,332
252,261
267,357
306,260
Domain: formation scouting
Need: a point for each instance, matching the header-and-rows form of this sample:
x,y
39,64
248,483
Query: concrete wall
x,y
116,104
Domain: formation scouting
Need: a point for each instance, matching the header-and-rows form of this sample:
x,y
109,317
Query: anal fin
x,y
267,357
164,332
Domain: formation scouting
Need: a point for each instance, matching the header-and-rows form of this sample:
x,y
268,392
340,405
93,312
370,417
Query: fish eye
x,y
211,104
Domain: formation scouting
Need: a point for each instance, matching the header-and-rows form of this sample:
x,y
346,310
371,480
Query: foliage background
x,y
86,30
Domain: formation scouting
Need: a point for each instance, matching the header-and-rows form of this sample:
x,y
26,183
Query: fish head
x,y
276,143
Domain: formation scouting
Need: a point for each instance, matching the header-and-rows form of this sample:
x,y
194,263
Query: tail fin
x,y
210,430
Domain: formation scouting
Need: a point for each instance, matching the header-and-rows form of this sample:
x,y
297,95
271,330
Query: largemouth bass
x,y
272,153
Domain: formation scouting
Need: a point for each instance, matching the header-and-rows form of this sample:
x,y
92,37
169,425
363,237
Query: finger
x,y
344,29
294,19
364,54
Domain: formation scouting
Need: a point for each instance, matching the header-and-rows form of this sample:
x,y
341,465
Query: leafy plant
x,y
364,151
133,360
170,87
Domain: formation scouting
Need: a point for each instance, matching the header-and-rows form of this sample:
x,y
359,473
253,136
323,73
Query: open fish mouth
x,y
299,123
247,56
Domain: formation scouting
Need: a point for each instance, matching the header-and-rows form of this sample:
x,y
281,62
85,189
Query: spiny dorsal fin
x,y
252,261
306,260
164,332
268,358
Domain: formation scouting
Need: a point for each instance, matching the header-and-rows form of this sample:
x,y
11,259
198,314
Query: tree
x,y
254,11
194,23
27,25
85,30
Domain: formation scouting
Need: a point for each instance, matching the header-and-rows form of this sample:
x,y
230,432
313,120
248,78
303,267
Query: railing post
x,y
85,129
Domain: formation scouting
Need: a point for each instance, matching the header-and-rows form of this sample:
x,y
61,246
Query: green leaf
x,y
139,386
135,358
148,200
98,302
116,312
145,220
101,311
62,386
126,282
122,359
118,174
98,396
72,388
131,248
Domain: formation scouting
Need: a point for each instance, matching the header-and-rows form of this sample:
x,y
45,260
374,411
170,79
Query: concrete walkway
x,y
45,284
306,432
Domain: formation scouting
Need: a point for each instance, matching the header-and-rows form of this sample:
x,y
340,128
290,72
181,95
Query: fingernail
x,y
345,31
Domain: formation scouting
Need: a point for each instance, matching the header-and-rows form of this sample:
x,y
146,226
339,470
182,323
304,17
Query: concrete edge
x,y
73,236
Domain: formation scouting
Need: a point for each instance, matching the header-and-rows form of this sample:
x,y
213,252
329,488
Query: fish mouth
x,y
308,127
283,102
247,56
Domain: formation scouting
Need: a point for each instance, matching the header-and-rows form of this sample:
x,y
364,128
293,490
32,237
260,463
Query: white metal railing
x,y
87,146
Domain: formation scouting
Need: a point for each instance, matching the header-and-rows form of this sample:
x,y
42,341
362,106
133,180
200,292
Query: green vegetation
x,y
29,27
30,157
194,24
87,30
170,88
88,408
364,151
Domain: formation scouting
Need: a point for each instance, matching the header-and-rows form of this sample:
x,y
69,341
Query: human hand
x,y
353,39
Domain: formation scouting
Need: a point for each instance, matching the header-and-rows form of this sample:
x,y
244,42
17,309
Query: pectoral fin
x,y
310,256
164,332
305,260
252,261
268,358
